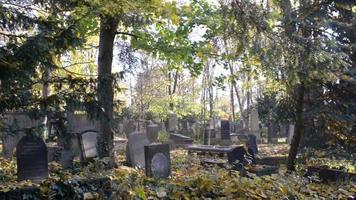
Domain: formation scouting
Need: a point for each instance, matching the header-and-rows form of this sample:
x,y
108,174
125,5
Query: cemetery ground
x,y
190,179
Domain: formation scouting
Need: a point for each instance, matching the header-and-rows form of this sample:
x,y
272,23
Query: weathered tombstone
x,y
252,143
254,123
179,140
157,160
119,143
290,133
135,153
172,122
225,130
88,143
32,163
152,132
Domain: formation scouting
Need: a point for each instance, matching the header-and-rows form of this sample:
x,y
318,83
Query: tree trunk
x,y
299,128
232,101
105,93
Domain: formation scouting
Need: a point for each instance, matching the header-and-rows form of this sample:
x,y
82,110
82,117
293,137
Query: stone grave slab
x,y
263,170
32,163
179,140
152,132
157,160
233,153
88,143
135,152
326,174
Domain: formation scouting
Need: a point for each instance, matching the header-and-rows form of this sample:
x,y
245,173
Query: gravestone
x,y
135,153
119,143
254,123
32,163
152,132
225,130
179,140
290,133
252,143
172,122
79,123
88,144
157,160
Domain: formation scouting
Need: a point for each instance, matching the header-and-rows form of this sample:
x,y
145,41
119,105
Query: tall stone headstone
x,y
225,130
89,144
135,153
152,132
290,133
32,163
254,124
172,122
157,160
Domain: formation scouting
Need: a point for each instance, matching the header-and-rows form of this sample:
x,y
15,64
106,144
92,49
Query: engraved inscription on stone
x,y
32,163
160,165
89,144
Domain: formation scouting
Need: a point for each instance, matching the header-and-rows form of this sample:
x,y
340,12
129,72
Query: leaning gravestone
x,y
157,160
152,132
135,153
88,143
32,163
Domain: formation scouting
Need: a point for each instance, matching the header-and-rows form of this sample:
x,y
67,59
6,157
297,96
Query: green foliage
x,y
163,136
276,108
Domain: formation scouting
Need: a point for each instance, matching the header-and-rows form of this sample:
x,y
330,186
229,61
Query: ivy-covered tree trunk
x,y
105,93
